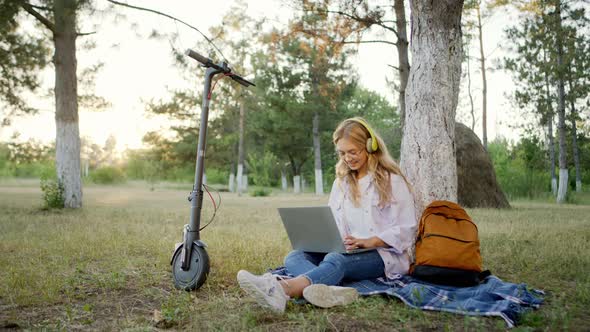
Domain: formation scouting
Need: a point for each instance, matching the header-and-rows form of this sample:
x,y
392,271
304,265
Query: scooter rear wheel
x,y
195,276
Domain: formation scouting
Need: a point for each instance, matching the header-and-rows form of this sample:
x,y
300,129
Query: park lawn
x,y
106,266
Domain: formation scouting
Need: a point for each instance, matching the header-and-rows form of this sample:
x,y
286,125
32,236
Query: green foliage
x,y
142,165
260,192
26,160
107,175
263,168
34,170
22,55
53,193
176,173
4,161
216,176
520,169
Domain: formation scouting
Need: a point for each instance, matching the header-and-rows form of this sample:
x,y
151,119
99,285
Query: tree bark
x,y
402,56
484,90
563,173
573,117
470,94
232,181
552,155
232,178
241,149
67,141
576,152
428,149
550,130
297,184
319,180
283,180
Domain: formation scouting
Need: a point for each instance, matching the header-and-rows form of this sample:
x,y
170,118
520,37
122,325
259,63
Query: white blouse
x,y
358,221
395,223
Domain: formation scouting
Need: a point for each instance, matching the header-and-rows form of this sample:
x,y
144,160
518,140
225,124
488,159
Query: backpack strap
x,y
484,274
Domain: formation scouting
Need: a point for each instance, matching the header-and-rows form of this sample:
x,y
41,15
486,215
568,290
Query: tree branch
x,y
40,7
369,41
46,22
85,33
173,18
366,20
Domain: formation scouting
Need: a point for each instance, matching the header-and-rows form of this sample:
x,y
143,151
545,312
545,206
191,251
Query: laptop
x,y
314,229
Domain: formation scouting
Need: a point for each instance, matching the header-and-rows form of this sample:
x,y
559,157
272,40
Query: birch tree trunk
x,y
484,90
241,150
232,181
245,182
573,117
283,180
67,140
576,152
563,173
319,180
551,139
402,56
428,149
552,155
297,184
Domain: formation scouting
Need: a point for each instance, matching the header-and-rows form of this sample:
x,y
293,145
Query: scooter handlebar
x,y
224,68
204,60
242,81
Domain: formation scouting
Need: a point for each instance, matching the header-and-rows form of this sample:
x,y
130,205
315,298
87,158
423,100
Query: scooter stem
x,y
196,196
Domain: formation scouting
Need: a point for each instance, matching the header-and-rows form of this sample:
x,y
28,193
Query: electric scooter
x,y
190,261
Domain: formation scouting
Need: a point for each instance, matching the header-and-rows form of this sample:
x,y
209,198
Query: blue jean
x,y
333,268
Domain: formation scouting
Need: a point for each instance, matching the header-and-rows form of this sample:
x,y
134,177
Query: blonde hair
x,y
379,163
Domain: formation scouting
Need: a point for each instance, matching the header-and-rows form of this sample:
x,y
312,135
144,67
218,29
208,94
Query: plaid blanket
x,y
493,297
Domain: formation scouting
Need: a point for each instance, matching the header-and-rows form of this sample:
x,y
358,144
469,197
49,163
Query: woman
x,y
373,207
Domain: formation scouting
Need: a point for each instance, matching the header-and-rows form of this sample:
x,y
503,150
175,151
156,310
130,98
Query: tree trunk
x,y
402,56
319,180
297,184
484,90
470,94
241,150
552,155
67,140
232,179
550,130
573,117
563,174
428,148
283,180
550,116
576,153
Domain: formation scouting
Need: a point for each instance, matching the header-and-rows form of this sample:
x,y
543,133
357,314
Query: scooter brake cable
x,y
215,83
215,206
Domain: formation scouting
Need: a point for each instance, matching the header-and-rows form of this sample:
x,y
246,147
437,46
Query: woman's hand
x,y
351,242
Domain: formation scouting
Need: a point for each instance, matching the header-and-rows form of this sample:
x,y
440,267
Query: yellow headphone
x,y
372,144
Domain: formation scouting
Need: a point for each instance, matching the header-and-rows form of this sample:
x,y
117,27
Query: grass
x,y
106,266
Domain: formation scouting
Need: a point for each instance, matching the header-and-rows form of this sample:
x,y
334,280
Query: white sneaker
x,y
266,289
325,296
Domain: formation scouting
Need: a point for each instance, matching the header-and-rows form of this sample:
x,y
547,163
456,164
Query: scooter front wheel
x,y
195,276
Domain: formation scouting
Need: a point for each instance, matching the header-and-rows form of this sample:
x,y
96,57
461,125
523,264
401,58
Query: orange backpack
x,y
447,247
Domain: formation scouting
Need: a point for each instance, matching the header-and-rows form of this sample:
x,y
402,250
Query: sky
x,y
138,69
